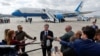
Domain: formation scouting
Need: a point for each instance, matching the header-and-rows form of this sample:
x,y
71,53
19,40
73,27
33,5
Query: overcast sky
x,y
8,6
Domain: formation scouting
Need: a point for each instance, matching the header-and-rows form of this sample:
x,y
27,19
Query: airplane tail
x,y
79,7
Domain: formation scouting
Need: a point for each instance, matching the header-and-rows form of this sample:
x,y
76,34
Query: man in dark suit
x,y
94,25
46,38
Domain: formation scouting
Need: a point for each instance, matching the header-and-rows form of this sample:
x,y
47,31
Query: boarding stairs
x,y
51,16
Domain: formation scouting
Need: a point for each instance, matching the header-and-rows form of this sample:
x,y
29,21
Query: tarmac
x,y
36,27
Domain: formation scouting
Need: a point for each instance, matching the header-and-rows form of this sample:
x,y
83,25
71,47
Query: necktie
x,y
46,33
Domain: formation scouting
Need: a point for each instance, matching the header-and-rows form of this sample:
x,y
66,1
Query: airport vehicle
x,y
83,18
50,14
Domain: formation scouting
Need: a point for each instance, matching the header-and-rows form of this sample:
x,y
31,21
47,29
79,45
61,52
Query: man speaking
x,y
46,38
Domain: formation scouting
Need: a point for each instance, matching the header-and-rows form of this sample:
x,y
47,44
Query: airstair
x,y
51,16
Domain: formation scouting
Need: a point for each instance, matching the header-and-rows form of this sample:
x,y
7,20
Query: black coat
x,y
44,38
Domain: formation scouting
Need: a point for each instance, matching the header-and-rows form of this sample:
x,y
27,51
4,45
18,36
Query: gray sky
x,y
8,6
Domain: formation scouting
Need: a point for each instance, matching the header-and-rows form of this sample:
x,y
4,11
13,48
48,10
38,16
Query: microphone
x,y
34,38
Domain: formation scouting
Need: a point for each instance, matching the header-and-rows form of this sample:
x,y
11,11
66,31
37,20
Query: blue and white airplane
x,y
49,13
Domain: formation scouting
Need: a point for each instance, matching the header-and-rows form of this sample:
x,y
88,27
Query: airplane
x,y
54,15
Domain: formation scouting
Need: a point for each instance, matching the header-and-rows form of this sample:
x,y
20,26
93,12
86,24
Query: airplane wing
x,y
75,13
87,12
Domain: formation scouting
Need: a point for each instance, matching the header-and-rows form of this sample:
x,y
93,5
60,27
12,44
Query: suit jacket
x,y
84,47
66,38
95,27
44,38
